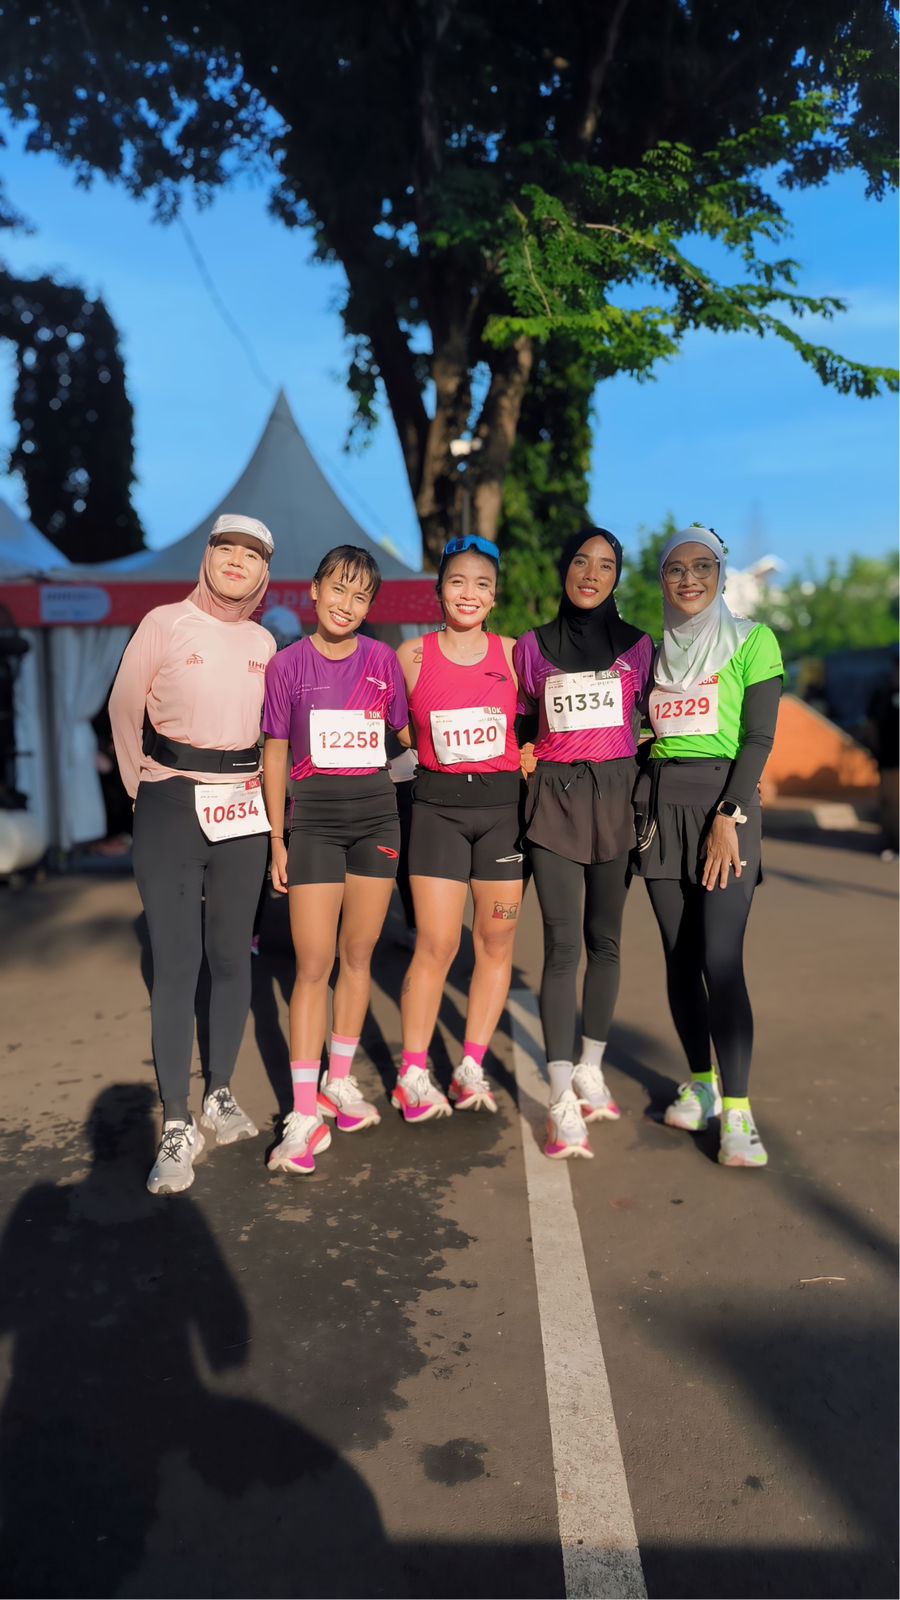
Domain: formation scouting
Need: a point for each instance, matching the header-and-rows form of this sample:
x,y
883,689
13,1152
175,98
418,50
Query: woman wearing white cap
x,y
713,708
185,712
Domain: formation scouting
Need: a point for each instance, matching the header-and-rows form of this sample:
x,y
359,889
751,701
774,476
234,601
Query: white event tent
x,y
79,617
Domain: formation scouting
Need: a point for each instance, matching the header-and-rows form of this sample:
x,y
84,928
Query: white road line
x,y
600,1551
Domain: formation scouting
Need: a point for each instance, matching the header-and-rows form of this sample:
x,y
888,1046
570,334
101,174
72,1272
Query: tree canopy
x,y
515,189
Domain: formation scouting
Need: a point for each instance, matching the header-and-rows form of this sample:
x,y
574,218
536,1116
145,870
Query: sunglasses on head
x,y
472,541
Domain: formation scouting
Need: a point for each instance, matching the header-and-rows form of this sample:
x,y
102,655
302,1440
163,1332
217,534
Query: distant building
x,y
744,589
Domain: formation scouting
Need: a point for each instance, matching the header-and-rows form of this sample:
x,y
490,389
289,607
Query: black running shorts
x,y
340,825
464,832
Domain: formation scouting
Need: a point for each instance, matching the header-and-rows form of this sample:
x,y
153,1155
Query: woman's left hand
x,y
723,853
527,762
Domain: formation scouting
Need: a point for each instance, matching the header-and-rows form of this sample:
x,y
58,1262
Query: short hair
x,y
354,562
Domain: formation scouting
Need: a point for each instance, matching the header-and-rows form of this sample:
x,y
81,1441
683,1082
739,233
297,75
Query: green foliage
x,y
491,176
546,489
76,426
639,596
850,607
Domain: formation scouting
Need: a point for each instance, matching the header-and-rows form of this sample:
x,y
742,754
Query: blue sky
x,y
735,432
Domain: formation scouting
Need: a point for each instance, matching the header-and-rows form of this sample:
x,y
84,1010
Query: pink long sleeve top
x,y
201,681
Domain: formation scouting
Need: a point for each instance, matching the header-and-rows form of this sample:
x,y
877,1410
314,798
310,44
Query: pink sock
x,y
340,1055
476,1051
413,1058
305,1076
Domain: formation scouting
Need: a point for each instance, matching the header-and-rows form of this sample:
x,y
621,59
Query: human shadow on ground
x,y
114,1439
821,1377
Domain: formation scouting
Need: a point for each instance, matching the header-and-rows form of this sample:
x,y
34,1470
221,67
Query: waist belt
x,y
188,758
451,788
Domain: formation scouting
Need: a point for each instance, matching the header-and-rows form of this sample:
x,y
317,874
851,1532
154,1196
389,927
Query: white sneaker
x,y
224,1117
740,1144
566,1132
418,1098
173,1169
302,1139
469,1089
597,1104
693,1106
343,1098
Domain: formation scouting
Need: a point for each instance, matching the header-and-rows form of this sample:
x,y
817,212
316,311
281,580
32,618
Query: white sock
x,y
560,1079
591,1051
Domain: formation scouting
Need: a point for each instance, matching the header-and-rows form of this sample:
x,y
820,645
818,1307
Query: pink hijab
x,y
206,598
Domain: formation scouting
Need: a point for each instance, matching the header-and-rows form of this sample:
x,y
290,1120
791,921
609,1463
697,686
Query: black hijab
x,y
586,641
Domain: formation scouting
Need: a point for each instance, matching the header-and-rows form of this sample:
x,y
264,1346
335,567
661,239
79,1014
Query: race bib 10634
x,y
346,739
676,713
231,810
475,733
583,700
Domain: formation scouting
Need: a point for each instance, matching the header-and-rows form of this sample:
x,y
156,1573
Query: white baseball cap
x,y
231,522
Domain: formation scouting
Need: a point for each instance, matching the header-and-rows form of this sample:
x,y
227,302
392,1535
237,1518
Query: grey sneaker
x,y
597,1104
224,1117
740,1144
173,1169
693,1106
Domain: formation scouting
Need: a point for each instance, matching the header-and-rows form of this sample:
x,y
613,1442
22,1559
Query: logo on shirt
x,y
256,666
377,682
502,677
194,660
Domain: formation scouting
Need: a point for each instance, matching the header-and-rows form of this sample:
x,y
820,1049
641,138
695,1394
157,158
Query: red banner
x,y
41,605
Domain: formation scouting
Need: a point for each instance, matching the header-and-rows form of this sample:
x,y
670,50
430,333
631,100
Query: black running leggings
x,y
561,886
180,874
703,939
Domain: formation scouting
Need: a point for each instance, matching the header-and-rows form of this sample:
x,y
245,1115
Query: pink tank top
x,y
464,717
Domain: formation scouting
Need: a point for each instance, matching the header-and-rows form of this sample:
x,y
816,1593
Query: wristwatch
x,y
730,808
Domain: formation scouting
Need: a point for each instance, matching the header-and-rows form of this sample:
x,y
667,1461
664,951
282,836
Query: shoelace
x,y
349,1084
225,1103
170,1146
472,1074
569,1121
593,1076
422,1086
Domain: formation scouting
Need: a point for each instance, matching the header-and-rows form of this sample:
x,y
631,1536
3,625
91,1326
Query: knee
x,y
313,971
603,947
356,954
495,944
562,948
436,948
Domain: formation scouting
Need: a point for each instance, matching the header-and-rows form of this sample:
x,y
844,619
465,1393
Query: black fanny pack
x,y
187,758
451,788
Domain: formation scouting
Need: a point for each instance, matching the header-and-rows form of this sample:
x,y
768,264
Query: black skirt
x,y
582,810
675,807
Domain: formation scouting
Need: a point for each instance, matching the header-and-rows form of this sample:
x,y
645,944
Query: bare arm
x,y
275,771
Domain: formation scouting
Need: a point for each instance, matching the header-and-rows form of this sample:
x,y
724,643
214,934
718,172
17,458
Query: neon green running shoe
x,y
741,1145
693,1106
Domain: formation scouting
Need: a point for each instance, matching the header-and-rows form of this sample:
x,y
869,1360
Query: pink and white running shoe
x,y
566,1132
418,1098
597,1104
302,1139
342,1098
469,1089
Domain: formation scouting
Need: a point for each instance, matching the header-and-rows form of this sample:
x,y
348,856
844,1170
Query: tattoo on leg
x,y
505,912
406,985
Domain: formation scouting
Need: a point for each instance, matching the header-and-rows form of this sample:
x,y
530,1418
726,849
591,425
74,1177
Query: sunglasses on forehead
x,y
472,541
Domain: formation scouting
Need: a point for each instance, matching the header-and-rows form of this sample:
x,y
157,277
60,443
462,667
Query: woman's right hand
x,y
527,762
279,866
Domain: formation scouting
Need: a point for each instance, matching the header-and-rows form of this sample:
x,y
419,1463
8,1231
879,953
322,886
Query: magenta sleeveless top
x,y
464,717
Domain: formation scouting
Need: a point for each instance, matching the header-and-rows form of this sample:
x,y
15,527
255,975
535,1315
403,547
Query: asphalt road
x,y
375,1381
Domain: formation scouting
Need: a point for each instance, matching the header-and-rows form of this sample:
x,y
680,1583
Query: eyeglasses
x,y
472,541
674,571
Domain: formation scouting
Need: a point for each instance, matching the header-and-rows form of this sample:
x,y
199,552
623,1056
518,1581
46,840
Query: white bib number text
x,y
583,700
346,739
231,810
470,735
673,714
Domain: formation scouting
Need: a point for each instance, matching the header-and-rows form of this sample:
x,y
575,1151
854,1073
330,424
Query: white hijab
x,y
699,646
